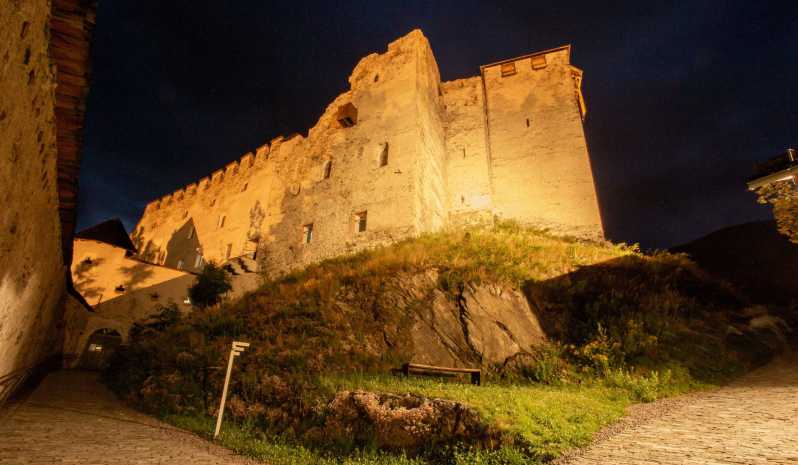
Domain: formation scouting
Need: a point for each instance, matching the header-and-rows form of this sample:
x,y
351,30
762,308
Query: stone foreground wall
x,y
31,263
418,156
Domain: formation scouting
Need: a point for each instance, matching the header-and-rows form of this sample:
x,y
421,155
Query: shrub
x,y
209,287
644,388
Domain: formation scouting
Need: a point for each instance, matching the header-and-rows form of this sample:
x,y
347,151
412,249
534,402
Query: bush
x,y
211,284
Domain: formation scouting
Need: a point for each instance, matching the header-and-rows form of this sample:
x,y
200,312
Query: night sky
x,y
682,97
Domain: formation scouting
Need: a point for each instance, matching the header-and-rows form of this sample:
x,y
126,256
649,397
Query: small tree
x,y
783,197
211,284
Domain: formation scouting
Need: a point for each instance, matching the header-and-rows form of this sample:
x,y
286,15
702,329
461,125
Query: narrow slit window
x,y
527,122
191,232
229,250
245,187
198,261
327,169
361,220
221,221
307,233
384,155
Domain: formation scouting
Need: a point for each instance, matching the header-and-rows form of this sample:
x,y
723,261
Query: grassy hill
x,y
755,257
611,327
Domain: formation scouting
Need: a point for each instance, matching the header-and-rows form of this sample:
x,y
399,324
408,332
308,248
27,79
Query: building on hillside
x,y
121,289
399,154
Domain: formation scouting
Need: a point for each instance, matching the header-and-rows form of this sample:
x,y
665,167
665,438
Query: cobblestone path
x,y
751,421
72,419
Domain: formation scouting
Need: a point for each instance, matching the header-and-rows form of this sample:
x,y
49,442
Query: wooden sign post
x,y
236,350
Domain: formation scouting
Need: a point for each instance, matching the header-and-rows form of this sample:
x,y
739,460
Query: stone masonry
x,y
31,261
399,154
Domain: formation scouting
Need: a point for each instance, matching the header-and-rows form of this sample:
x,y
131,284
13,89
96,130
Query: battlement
x,y
398,154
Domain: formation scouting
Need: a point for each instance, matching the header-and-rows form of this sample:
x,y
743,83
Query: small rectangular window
x,y
180,264
198,261
539,62
360,220
508,69
307,233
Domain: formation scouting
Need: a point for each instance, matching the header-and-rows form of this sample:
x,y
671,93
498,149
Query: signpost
x,y
236,350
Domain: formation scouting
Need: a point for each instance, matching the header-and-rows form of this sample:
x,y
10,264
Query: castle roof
x,y
111,232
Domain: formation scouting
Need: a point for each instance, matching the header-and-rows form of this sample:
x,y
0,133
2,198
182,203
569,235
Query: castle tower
x,y
540,172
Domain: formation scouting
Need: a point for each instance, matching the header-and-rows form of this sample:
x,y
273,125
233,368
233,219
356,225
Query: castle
x,y
399,154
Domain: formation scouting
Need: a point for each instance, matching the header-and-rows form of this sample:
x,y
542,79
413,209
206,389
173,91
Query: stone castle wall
x,y
31,264
540,166
453,157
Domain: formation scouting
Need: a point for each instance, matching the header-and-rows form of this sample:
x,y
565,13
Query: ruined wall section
x,y
383,91
541,172
31,260
468,181
280,191
209,218
430,169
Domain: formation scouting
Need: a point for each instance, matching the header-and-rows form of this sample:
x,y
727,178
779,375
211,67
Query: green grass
x,y
245,440
624,328
505,253
550,418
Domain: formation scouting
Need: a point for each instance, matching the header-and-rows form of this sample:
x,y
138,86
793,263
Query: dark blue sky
x,y
683,97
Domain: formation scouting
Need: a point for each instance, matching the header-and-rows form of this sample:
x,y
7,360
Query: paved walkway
x,y
752,421
72,419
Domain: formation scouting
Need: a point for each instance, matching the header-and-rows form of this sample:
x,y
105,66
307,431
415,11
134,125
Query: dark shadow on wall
x,y
183,248
136,274
83,281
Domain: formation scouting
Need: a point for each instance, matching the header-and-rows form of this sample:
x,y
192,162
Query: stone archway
x,y
99,347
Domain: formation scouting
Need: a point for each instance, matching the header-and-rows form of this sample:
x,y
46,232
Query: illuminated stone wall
x,y
540,167
451,159
103,272
31,264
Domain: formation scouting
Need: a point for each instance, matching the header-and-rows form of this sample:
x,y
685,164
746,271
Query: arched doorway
x,y
101,344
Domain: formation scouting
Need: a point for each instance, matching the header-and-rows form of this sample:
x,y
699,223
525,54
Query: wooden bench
x,y
408,368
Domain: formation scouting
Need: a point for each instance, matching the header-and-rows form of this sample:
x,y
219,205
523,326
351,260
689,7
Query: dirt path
x,y
72,419
751,421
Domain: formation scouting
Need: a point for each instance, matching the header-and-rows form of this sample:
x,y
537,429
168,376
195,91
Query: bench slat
x,y
417,366
476,373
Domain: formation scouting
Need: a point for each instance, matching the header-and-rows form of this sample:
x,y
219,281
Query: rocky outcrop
x,y
475,325
403,422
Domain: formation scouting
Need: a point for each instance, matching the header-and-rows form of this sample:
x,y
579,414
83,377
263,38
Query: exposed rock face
x,y
482,326
472,326
407,422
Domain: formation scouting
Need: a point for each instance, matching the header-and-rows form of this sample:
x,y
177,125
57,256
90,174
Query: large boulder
x,y
481,325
